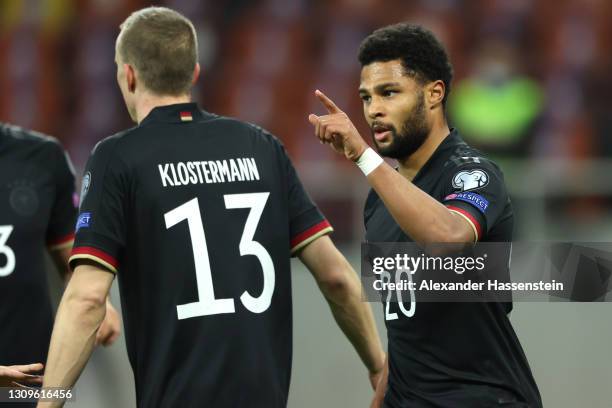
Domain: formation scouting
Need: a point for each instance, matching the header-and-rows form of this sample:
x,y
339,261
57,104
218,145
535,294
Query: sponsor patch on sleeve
x,y
83,221
476,200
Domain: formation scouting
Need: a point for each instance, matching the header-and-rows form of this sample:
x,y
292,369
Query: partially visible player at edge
x,y
198,215
37,214
443,191
17,375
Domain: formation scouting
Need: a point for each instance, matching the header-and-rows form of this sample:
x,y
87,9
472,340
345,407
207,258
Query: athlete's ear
x,y
196,74
434,93
130,77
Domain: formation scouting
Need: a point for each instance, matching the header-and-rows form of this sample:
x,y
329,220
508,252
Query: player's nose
x,y
375,109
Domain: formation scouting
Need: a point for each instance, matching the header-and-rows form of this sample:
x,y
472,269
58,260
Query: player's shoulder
x,y
109,144
256,137
247,129
468,168
29,139
108,153
466,157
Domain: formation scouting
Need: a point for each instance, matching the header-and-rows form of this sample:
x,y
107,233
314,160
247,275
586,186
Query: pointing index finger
x,y
328,103
27,368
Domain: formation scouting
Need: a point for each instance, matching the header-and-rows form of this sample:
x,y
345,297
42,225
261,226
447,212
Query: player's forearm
x,y
356,320
342,290
418,214
72,341
381,389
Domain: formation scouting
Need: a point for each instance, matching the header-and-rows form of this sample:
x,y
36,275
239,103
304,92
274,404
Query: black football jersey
x,y
198,215
455,354
37,212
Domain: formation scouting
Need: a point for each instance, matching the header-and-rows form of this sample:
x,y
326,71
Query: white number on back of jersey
x,y
256,202
386,276
6,270
207,304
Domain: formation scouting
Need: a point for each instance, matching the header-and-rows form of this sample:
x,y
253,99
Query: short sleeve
x,y
100,226
60,229
476,191
306,222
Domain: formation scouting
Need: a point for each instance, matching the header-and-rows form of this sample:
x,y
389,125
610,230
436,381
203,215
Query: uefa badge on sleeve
x,y
85,187
470,180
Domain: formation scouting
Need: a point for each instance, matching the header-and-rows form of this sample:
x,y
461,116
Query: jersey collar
x,y
177,113
452,140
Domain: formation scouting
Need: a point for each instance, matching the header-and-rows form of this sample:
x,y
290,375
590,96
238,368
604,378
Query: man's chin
x,y
381,148
384,149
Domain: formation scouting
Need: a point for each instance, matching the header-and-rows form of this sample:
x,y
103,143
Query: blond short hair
x,y
162,46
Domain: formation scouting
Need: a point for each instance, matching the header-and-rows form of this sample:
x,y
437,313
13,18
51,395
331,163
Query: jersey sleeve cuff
x,y
93,254
476,227
65,241
306,237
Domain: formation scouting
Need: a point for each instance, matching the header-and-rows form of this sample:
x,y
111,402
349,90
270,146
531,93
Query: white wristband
x,y
369,161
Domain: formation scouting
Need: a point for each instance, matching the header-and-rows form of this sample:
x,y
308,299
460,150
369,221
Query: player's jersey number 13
x,y
207,304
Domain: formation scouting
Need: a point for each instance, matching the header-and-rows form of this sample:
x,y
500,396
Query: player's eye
x,y
389,92
365,98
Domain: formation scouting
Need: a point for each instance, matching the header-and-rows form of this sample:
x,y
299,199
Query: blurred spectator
x,y
496,107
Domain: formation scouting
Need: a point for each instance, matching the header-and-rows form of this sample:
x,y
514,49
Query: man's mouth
x,y
381,132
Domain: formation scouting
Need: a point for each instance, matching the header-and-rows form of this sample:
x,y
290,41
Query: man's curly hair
x,y
423,56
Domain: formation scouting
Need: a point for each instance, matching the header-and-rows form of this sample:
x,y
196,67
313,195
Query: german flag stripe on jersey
x,y
306,237
96,255
470,219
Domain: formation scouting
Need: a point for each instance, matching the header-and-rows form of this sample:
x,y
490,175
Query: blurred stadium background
x,y
531,88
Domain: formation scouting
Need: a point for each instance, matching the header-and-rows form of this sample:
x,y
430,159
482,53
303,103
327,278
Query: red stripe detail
x,y
97,253
470,217
303,236
185,114
61,240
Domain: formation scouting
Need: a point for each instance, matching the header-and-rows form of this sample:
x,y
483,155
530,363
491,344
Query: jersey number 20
x,y
207,304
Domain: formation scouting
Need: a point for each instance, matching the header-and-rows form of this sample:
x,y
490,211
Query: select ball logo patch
x,y
470,180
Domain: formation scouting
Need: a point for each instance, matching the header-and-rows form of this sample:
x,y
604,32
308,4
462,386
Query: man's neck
x,y
410,166
148,102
